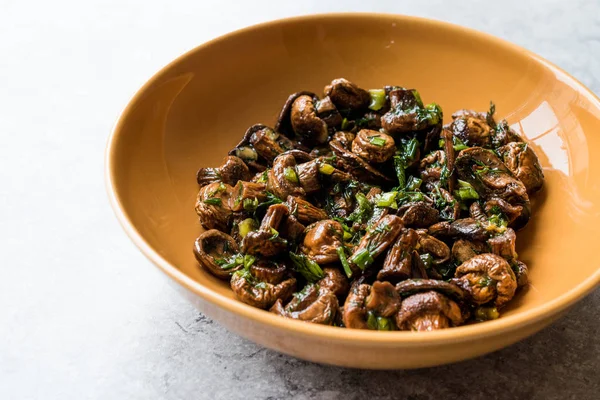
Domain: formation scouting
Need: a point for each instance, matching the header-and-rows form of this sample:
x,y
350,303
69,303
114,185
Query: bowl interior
x,y
196,109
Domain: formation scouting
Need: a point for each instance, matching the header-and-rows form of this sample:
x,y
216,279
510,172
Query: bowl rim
x,y
376,338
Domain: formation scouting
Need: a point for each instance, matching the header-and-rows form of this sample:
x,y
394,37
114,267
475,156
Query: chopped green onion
x,y
248,261
215,201
326,169
290,174
246,226
486,313
309,269
377,99
413,183
458,144
345,124
427,260
246,153
376,140
417,97
347,236
363,209
465,191
372,320
362,258
274,234
384,324
387,200
271,134
250,204
264,177
400,167
344,261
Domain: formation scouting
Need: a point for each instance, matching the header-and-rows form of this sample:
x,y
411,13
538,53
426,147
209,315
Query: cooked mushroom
x,y
268,271
214,251
308,176
373,146
266,241
321,241
335,281
269,144
377,239
520,159
464,228
247,195
503,135
327,111
212,206
521,272
405,114
418,214
487,278
233,170
291,228
284,124
305,211
476,212
463,250
370,307
313,304
246,152
471,128
355,165
449,207
283,179
398,262
346,95
490,177
515,216
344,138
260,294
433,169
504,244
412,286
428,311
450,157
305,122
427,244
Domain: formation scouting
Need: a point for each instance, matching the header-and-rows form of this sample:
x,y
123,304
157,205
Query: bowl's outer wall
x,y
198,107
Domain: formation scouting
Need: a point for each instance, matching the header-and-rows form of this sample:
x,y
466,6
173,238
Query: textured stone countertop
x,y
83,315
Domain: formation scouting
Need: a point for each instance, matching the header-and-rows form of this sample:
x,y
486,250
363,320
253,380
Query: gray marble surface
x,y
83,315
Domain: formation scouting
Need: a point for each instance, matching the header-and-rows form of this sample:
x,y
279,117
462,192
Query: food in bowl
x,y
360,209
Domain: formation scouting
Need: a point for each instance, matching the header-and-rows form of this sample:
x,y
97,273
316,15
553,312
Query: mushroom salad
x,y
360,209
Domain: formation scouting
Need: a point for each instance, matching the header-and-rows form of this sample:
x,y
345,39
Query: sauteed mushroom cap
x,y
214,251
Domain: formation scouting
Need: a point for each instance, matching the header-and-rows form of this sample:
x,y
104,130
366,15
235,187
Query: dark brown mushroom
x,y
438,250
283,178
306,123
313,304
503,135
504,244
356,166
212,206
308,176
268,271
344,138
491,179
487,278
373,146
247,195
402,116
520,159
233,170
260,294
335,281
463,250
516,216
471,128
291,228
377,239
269,144
398,262
418,214
428,311
433,169
321,241
464,228
449,207
266,241
327,111
305,211
284,124
370,307
476,212
412,286
213,250
246,152
346,96
521,273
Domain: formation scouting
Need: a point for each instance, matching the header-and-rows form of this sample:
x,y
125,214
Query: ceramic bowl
x,y
196,108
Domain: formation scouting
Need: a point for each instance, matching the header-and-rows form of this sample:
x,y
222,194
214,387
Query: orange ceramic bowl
x,y
197,108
